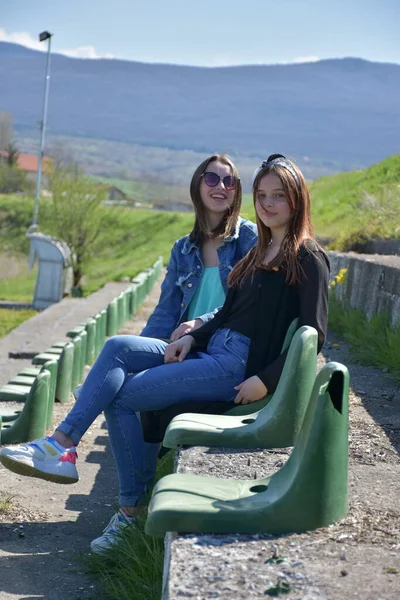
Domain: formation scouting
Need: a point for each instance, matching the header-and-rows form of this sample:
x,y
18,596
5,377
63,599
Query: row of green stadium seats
x,y
57,371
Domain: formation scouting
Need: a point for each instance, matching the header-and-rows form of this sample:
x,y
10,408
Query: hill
x,y
359,205
340,113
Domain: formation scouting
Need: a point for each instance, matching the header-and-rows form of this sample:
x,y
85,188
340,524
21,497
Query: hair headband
x,y
279,163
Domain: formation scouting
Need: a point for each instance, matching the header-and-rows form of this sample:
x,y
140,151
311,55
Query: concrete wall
x,y
380,247
369,284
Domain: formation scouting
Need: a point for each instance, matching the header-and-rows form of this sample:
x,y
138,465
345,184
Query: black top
x,y
262,309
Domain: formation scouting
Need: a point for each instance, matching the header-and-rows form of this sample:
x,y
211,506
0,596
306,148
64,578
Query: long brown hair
x,y
299,226
227,225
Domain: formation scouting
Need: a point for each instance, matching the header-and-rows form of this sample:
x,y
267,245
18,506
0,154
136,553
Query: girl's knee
x,y
118,343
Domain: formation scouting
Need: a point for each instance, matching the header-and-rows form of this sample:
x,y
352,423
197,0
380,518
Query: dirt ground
x,y
49,526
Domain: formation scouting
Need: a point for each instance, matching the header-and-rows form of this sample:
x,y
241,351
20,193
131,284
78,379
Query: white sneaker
x,y
111,533
44,458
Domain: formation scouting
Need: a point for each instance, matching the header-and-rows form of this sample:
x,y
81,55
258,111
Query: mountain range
x,y
342,112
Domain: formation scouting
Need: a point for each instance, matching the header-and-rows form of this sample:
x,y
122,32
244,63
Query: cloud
x,y
306,59
84,52
25,39
220,60
21,37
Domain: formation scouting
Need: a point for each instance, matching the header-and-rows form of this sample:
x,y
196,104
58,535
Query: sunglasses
x,y
212,179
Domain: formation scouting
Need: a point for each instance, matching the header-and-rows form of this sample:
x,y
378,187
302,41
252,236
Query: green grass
x,y
19,288
339,207
373,342
133,569
5,503
147,192
129,241
10,318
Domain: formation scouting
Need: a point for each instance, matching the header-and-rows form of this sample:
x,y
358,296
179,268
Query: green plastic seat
x,y
65,368
308,492
103,314
121,309
31,423
58,347
158,265
26,377
127,302
135,298
100,337
90,327
22,380
140,283
14,392
80,351
112,318
78,361
246,409
71,333
274,426
133,301
149,279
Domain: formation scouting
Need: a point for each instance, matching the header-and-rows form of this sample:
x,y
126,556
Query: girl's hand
x,y
250,390
185,328
177,351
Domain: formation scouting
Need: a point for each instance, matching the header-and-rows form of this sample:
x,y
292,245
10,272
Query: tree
x,y
6,129
74,215
12,154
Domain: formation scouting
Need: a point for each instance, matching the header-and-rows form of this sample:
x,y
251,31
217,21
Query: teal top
x,y
208,295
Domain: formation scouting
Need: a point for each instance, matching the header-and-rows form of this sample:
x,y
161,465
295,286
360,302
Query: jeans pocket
x,y
237,345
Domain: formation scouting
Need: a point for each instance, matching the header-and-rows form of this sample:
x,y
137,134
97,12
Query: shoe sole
x,y
24,469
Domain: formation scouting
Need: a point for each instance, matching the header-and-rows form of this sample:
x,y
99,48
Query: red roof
x,y
29,162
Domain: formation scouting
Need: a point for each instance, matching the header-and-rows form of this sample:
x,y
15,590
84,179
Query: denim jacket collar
x,y
189,245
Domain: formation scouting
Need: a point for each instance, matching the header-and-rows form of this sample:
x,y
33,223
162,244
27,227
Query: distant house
x,y
173,206
29,163
115,196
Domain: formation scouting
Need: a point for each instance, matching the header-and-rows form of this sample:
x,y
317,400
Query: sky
x,y
206,33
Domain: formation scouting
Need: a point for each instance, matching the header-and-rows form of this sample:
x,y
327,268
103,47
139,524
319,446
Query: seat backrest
x,y
290,400
293,327
318,465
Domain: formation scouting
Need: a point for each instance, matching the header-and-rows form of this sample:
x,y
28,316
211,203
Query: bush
x,y
12,179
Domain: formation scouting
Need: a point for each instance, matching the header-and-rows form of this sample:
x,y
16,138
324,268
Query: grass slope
x,y
9,319
340,208
147,192
130,240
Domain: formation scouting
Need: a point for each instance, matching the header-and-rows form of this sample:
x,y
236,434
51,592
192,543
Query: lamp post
x,y
45,35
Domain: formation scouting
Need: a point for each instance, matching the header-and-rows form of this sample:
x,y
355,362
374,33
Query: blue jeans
x,y
130,375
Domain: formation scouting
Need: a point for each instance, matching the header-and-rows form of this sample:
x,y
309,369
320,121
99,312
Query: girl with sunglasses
x,y
195,284
233,358
200,262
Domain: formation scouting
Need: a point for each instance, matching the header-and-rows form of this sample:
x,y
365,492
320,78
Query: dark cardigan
x,y
277,305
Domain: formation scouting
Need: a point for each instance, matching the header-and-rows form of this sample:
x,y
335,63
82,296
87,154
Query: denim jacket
x,y
184,271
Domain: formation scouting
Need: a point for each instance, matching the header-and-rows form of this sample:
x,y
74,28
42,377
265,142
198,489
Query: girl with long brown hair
x,y
234,357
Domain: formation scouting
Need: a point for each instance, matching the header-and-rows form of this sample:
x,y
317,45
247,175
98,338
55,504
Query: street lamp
x,y
45,35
